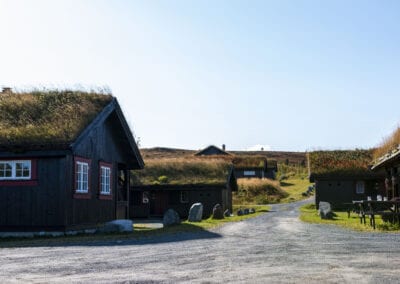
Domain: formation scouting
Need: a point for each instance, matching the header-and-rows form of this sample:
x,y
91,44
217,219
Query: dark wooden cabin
x,y
343,176
212,151
390,164
65,160
178,183
254,167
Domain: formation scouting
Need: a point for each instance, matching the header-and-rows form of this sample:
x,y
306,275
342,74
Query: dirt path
x,y
275,247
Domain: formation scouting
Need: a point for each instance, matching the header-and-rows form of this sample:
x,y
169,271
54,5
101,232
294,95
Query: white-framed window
x,y
82,177
249,173
15,170
105,180
360,187
184,197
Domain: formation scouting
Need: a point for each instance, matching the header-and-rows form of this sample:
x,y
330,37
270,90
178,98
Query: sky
x,y
283,75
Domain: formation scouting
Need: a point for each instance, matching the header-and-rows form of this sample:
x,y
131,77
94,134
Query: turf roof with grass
x,y
47,117
183,171
340,162
241,162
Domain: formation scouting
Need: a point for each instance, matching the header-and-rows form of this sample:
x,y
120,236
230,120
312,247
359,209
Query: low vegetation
x,y
388,144
258,191
308,213
296,189
47,116
183,171
340,162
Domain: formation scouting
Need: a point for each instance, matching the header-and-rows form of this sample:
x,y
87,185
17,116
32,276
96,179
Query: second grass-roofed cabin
x,y
343,176
254,167
65,160
177,183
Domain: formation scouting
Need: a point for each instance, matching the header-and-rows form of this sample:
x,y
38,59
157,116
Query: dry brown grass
x,y
178,171
258,191
388,144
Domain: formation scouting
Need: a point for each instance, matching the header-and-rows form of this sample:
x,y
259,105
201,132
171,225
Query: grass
x,y
309,214
388,144
258,191
193,170
47,116
141,231
294,187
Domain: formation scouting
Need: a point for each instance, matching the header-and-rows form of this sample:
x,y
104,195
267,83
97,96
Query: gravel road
x,y
273,248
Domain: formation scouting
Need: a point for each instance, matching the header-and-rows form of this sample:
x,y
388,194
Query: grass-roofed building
x,y
65,159
254,167
177,183
387,159
343,176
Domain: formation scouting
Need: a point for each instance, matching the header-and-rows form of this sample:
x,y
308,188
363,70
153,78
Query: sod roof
x,y
241,162
340,163
183,171
47,117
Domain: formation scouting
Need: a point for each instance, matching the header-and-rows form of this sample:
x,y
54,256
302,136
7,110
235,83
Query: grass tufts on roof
x,y
389,144
343,162
249,162
181,171
50,116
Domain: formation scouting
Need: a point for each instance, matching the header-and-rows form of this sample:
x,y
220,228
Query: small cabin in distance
x,y
254,167
212,150
69,167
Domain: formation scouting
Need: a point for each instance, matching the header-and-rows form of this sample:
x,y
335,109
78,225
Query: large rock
x,y
196,212
120,225
252,210
325,210
240,212
218,213
246,211
227,213
171,217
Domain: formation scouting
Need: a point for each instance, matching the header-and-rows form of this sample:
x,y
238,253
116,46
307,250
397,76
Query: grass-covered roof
x,y
183,171
388,150
249,162
340,162
47,117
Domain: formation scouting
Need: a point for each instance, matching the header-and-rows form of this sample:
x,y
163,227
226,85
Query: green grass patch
x,y
309,214
294,188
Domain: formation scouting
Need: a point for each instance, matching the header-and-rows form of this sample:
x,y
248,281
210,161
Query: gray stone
x,y
240,212
252,210
227,213
218,214
325,210
196,212
171,217
246,211
121,225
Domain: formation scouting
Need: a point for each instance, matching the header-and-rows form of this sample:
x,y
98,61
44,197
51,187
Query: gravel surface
x,y
273,248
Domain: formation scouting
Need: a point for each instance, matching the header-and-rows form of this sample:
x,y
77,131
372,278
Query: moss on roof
x,y
249,162
183,171
351,162
47,117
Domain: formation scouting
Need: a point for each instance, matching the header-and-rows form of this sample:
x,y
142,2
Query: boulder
x,y
325,210
218,214
227,213
252,210
120,225
196,212
240,212
171,217
246,211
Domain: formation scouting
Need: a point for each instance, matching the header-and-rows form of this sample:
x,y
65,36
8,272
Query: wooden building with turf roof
x,y
177,183
65,160
254,167
343,176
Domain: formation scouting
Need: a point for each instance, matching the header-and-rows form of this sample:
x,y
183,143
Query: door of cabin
x,y
158,203
122,194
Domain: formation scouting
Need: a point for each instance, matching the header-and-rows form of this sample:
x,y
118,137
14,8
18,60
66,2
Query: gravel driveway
x,y
275,247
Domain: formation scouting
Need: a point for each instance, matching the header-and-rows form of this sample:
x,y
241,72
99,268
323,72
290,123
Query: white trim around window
x,y
82,177
16,170
105,180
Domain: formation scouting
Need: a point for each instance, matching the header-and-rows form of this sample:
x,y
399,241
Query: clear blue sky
x,y
291,75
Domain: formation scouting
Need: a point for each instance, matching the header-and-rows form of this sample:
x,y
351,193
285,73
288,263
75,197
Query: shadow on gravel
x,y
180,233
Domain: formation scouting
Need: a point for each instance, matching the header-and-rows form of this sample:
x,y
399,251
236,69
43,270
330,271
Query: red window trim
x,y
103,196
27,182
79,195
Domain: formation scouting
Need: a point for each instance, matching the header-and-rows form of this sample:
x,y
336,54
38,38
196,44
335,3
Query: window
x,y
184,197
82,177
249,173
360,187
105,180
15,170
